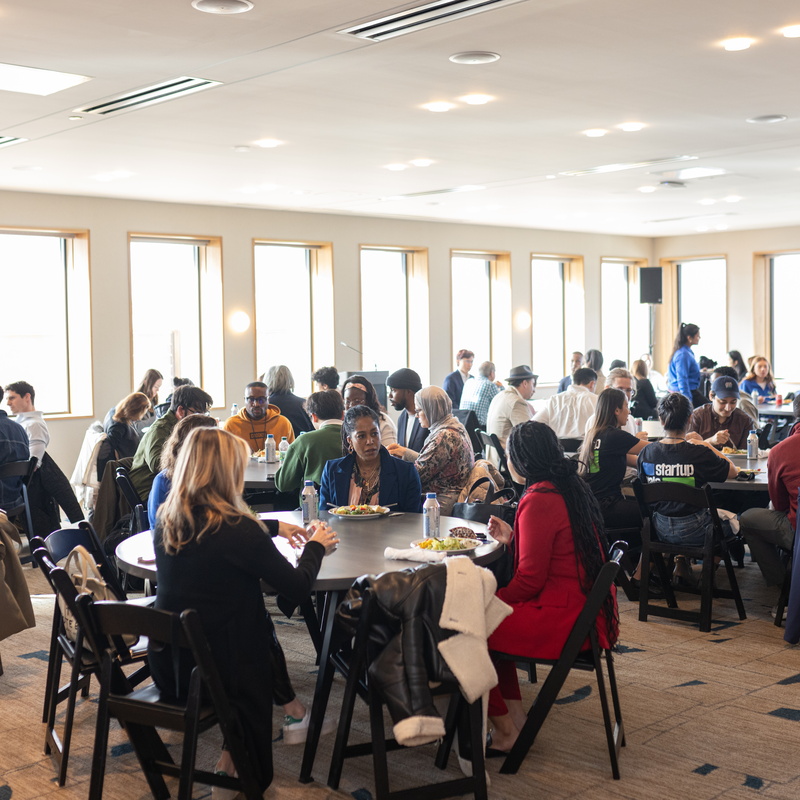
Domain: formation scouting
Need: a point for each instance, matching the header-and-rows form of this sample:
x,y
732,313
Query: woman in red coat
x,y
559,549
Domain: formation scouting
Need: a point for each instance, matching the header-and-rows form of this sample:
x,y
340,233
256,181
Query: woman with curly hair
x,y
559,548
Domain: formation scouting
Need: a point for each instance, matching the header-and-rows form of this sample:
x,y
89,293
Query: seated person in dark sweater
x,y
719,422
280,384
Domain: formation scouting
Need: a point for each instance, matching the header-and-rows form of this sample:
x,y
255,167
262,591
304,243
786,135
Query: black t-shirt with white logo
x,y
692,464
607,467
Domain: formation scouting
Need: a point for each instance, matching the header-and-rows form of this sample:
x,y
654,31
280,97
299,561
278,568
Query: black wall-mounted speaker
x,y
650,285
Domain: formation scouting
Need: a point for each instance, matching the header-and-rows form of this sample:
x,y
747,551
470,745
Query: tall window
x,y
384,329
625,321
45,338
785,285
176,311
702,300
472,305
547,305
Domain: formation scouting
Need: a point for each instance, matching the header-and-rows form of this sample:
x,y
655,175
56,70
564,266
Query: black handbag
x,y
480,511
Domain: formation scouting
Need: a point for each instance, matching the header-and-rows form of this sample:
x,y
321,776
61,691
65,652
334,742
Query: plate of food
x,y
732,451
359,512
452,545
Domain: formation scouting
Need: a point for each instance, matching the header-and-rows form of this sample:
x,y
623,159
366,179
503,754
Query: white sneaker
x,y
220,792
295,730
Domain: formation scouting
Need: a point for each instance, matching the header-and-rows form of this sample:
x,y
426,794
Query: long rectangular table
x,y
758,484
260,475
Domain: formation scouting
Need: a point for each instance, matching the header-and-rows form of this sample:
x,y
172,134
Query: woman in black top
x,y
607,450
736,361
211,555
645,402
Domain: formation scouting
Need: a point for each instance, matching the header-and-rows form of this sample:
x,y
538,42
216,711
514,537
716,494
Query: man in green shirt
x,y
307,455
186,400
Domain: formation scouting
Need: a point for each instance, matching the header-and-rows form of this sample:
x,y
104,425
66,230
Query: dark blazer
x,y
418,433
291,407
454,386
399,483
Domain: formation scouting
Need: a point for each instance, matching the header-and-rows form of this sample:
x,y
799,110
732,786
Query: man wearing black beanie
x,y
403,385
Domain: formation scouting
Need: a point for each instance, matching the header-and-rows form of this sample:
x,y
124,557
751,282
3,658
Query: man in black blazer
x,y
403,385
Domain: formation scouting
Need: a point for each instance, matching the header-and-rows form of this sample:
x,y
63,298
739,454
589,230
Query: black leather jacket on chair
x,y
404,638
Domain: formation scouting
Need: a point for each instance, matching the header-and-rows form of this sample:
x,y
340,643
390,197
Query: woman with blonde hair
x,y
446,459
759,379
211,555
645,403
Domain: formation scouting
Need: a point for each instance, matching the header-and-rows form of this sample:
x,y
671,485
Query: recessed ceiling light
x,y
396,167
114,175
439,106
75,118
268,143
647,189
732,198
738,43
595,133
241,148
791,31
476,99
768,119
707,201
631,127
222,6
422,162
475,57
43,82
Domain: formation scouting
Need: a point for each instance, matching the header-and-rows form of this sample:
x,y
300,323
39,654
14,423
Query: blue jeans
x,y
689,530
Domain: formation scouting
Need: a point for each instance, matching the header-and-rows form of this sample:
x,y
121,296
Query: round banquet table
x,y
360,549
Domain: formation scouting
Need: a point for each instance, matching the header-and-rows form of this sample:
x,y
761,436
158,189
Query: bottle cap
x,y
309,483
431,494
270,436
284,438
753,431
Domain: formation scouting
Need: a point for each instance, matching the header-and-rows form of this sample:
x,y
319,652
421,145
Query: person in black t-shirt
x,y
694,463
607,450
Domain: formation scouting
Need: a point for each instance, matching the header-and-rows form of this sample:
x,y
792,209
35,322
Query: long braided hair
x,y
537,456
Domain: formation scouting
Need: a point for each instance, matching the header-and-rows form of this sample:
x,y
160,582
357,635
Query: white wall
x,y
109,222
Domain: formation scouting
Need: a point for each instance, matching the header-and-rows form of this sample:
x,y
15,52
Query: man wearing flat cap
x,y
511,406
720,422
402,385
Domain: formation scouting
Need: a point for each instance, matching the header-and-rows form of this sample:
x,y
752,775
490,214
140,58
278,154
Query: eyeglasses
x,y
257,401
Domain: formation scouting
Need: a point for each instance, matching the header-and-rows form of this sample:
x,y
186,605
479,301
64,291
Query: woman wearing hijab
x,y
444,463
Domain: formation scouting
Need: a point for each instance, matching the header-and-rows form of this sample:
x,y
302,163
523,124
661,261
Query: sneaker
x,y
295,730
220,792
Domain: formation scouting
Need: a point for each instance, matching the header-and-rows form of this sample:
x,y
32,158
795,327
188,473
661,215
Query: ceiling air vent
x,y
158,93
421,17
7,141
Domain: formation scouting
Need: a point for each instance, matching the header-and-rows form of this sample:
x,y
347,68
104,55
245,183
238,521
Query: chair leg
x,y
706,593
783,598
379,763
100,751
51,686
72,695
733,583
475,717
189,750
612,682
345,716
150,749
611,737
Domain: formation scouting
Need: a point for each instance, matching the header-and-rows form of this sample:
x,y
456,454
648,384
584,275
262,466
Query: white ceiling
x,y
346,107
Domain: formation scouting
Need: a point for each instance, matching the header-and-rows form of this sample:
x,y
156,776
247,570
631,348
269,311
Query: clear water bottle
x,y
754,397
269,449
430,516
282,448
309,503
234,409
752,445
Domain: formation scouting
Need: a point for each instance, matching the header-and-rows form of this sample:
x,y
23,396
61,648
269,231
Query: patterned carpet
x,y
713,715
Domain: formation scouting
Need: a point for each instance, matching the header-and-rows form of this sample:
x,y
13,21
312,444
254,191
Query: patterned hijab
x,y
438,408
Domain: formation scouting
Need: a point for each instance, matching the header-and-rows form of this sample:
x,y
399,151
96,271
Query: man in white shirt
x,y
511,406
19,398
566,413
621,379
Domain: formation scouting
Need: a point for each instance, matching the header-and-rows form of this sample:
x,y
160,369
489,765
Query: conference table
x,y
260,474
360,551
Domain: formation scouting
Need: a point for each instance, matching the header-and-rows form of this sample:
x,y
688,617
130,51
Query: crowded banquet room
x,y
315,314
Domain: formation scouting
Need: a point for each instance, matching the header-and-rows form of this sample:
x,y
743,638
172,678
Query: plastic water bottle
x,y
269,449
282,448
754,397
309,503
234,409
430,516
752,445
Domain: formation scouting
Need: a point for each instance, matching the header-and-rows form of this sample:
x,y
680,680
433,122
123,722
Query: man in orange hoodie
x,y
258,419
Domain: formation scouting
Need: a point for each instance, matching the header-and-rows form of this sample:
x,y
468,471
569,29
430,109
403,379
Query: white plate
x,y
359,516
473,544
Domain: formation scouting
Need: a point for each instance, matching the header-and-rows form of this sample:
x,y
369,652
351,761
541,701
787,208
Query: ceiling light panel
x,y
42,82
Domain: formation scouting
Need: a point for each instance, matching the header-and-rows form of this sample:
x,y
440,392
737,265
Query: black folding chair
x,y
574,656
138,509
463,718
654,549
141,710
469,419
24,471
491,440
79,655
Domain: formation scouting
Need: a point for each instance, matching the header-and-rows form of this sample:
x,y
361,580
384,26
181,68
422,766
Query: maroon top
x,y
783,476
